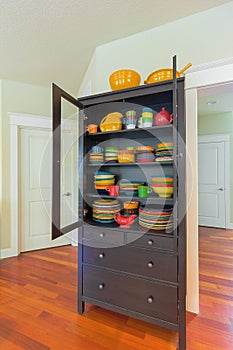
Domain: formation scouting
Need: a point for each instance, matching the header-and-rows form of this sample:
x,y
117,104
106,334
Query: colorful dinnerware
x,y
103,210
155,218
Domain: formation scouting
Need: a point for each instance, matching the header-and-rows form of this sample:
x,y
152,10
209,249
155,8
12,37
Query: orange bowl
x,y
123,79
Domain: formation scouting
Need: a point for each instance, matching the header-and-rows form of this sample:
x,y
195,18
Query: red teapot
x,y
163,117
124,221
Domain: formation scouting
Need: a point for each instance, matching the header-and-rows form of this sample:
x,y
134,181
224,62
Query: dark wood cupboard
x,y
137,271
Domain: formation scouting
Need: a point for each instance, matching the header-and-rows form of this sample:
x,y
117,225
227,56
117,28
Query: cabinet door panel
x,y
65,216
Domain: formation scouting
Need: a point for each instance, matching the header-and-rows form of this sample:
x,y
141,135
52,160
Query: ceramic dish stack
x,y
103,210
162,186
96,157
130,188
111,155
156,218
102,180
145,154
126,156
164,152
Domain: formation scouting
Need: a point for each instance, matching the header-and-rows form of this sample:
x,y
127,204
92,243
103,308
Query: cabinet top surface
x,y
138,90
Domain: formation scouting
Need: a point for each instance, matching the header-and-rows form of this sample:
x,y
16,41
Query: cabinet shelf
x,y
148,200
133,228
170,162
133,133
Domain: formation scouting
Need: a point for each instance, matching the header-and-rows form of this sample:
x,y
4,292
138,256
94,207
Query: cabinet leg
x,y
182,338
81,307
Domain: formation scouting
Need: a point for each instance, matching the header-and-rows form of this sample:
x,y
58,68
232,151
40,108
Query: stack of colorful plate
x,y
130,188
103,210
96,157
145,154
164,152
163,186
111,155
155,218
103,179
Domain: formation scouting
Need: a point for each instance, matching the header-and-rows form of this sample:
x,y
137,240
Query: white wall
x,y
20,98
199,38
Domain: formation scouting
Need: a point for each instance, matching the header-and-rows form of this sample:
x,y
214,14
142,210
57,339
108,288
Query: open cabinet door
x,y
66,114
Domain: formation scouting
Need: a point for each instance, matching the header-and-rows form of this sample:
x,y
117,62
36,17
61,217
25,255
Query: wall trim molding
x,y
208,65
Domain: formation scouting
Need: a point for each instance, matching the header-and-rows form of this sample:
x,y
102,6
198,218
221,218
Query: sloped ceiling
x,y
53,40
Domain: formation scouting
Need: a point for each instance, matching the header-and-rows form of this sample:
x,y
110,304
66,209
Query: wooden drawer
x,y
102,237
136,294
134,260
152,241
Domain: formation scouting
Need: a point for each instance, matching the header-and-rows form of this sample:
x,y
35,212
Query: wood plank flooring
x,y
38,292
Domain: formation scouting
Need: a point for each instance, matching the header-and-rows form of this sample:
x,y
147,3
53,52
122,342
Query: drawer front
x,y
152,241
134,260
102,237
136,294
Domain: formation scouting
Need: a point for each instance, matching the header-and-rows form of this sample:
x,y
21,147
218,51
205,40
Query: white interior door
x,y
35,193
211,184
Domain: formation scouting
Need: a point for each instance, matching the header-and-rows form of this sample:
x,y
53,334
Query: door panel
x,y
35,191
211,174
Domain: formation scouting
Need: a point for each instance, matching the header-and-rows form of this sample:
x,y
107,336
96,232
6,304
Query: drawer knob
x,y
101,234
101,286
150,300
101,255
150,242
150,264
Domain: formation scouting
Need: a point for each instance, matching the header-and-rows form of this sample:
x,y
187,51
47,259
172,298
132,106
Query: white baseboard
x,y
7,253
230,226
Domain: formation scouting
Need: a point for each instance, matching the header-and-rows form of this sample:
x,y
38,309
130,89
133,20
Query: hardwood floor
x,y
38,292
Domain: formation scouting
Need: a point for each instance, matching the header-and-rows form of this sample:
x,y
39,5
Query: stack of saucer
x,y
164,152
96,156
145,154
111,155
103,210
130,188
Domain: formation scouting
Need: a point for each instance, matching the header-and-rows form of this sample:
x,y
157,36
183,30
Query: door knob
x,y
67,194
220,189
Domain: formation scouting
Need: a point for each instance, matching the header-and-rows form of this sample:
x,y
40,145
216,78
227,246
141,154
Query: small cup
x,y
131,113
97,149
147,119
113,190
92,128
143,191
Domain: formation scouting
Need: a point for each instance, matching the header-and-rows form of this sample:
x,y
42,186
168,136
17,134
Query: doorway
x,y
215,151
213,181
30,192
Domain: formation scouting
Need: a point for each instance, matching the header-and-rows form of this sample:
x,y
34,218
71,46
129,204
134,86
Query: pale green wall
x,y
200,38
220,124
19,98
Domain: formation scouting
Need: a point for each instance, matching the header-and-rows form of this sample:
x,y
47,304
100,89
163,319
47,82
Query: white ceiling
x,y
53,40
